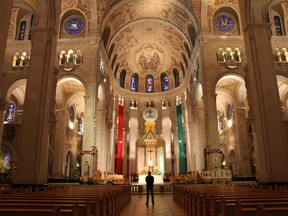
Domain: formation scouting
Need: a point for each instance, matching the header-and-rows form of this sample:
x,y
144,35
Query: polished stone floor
x,y
164,206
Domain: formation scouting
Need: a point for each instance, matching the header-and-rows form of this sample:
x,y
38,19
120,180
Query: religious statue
x,y
86,172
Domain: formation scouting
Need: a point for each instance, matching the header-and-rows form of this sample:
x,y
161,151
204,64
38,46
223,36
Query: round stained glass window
x,y
74,26
224,23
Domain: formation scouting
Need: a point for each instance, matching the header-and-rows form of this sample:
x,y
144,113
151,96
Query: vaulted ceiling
x,y
149,37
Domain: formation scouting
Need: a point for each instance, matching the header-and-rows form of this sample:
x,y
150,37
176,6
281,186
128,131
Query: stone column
x,y
101,141
213,152
60,140
89,135
243,159
40,93
5,16
271,148
198,135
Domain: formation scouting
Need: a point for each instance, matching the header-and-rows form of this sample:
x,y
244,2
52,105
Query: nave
x,y
164,205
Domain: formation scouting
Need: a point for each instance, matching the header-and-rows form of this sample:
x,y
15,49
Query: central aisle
x,y
164,206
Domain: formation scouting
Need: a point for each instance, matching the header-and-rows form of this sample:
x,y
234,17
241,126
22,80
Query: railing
x,y
162,188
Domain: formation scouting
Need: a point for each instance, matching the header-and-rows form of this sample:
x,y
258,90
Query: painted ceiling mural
x,y
149,35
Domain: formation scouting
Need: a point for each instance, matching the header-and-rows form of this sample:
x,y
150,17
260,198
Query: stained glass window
x,y
22,29
10,112
149,84
224,23
278,26
134,83
72,113
6,159
165,82
229,111
122,78
74,26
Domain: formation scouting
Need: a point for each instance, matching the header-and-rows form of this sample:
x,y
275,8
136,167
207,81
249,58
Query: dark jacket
x,y
149,181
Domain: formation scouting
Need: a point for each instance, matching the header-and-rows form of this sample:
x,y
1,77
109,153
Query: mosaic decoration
x,y
74,26
224,23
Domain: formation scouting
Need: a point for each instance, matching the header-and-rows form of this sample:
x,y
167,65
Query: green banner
x,y
181,140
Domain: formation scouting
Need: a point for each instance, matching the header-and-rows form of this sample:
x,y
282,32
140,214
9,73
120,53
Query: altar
x,y
158,179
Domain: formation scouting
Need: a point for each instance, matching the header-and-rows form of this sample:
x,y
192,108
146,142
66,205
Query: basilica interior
x,y
90,87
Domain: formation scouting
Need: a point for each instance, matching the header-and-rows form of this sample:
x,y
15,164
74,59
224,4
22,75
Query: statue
x,y
86,172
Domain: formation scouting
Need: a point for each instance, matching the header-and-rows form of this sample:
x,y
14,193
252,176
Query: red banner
x,y
120,139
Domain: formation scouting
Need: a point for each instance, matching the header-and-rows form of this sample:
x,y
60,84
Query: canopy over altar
x,y
150,154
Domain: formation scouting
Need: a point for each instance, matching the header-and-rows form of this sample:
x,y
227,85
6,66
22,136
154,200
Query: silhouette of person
x,y
149,187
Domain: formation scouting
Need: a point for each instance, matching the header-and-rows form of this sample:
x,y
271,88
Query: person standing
x,y
149,187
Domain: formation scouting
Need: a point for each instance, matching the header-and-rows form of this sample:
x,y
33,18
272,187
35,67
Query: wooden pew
x,y
106,201
56,211
272,211
218,200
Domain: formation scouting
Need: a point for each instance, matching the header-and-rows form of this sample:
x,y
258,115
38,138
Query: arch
x,y
192,34
70,90
226,22
122,78
73,24
114,60
282,82
24,21
276,16
68,164
106,35
16,91
176,77
185,60
187,49
232,156
231,93
111,50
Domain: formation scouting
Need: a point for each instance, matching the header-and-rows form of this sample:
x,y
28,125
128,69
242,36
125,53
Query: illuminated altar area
x,y
150,150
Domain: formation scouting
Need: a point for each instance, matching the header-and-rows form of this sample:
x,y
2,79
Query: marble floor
x,y
164,206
